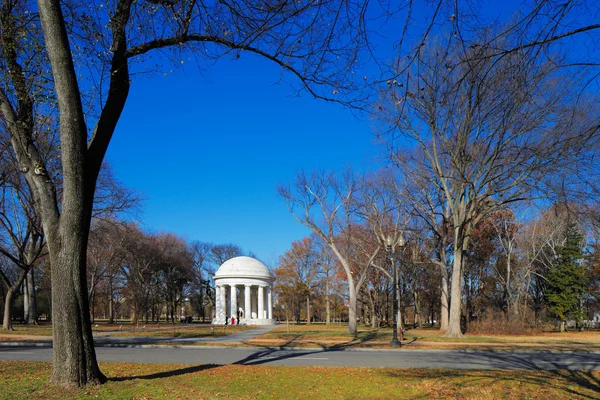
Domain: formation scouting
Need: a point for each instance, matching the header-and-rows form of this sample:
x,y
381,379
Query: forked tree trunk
x,y
67,226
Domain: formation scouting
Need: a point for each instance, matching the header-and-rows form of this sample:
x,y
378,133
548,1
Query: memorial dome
x,y
243,267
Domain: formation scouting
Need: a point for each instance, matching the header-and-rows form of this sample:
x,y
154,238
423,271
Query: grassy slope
x,y
26,380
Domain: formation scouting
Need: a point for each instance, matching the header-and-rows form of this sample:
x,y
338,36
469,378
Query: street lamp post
x,y
389,244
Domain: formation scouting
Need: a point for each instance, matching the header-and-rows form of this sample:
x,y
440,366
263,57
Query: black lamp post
x,y
389,243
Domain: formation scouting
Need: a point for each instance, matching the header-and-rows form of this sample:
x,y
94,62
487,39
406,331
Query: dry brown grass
x,y
29,380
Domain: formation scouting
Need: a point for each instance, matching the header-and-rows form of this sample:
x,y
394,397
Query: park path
x,y
450,359
235,338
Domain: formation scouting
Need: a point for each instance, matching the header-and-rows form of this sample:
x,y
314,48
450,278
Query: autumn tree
x,y
175,271
298,269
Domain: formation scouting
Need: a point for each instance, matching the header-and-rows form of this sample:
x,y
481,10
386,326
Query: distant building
x,y
244,288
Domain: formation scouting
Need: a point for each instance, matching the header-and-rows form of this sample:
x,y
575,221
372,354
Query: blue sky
x,y
207,150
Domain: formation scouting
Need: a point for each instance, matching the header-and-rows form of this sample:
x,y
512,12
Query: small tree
x,y
567,281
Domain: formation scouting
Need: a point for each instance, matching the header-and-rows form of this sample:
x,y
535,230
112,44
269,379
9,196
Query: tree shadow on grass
x,y
166,374
570,373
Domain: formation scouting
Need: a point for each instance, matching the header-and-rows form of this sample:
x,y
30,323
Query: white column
x,y
222,311
261,302
270,302
217,301
233,302
254,302
247,308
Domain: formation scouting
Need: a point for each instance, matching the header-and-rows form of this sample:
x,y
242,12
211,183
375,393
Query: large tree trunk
x,y
25,303
454,330
307,310
67,227
31,308
8,306
74,359
352,301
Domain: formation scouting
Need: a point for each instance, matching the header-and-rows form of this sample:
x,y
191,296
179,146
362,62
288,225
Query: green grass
x,y
27,380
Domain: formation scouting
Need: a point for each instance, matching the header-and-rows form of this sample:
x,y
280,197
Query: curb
x,y
296,349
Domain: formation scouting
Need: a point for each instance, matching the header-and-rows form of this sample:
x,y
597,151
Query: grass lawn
x,y
186,331
127,329
335,335
27,380
33,330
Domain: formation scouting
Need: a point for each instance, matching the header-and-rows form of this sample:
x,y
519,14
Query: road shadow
x,y
269,354
166,374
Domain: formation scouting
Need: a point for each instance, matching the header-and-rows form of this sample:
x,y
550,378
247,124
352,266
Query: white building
x,y
244,288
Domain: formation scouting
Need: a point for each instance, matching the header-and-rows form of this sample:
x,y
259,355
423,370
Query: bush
x,y
498,323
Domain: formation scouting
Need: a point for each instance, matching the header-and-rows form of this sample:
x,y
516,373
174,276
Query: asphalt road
x,y
452,359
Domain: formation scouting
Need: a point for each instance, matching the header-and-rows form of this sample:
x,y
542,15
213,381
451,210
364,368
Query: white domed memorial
x,y
244,288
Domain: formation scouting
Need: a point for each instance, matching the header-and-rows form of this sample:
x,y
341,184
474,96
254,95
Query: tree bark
x,y
373,315
8,306
31,296
454,329
307,310
111,310
352,301
9,302
327,307
74,358
25,302
444,314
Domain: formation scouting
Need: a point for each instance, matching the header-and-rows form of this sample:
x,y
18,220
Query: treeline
x,y
525,267
132,274
472,130
146,277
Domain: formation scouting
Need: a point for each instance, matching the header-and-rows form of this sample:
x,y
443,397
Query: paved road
x,y
454,359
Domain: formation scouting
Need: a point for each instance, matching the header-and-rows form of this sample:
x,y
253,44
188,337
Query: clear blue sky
x,y
207,150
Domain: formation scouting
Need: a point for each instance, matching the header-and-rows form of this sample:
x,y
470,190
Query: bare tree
x,y
327,205
428,203
489,130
